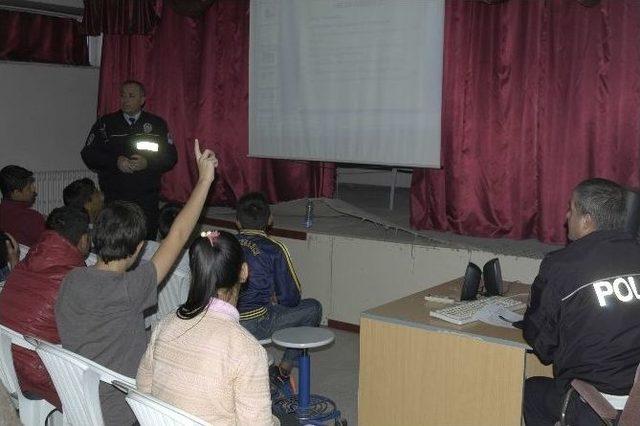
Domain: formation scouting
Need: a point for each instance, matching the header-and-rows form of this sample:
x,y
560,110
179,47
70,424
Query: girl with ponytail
x,y
201,359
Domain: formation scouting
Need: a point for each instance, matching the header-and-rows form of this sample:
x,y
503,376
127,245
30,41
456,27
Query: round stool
x,y
314,409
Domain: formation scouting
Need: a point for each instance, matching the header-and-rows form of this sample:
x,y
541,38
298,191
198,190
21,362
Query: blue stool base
x,y
320,410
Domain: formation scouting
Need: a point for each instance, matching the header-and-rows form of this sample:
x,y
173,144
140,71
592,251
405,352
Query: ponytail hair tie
x,y
211,235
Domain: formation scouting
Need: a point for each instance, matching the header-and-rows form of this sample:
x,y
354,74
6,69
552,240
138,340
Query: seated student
x,y
204,343
270,300
18,195
174,290
29,295
90,260
9,254
100,309
83,194
584,312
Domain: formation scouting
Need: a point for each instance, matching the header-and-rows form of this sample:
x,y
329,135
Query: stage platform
x,y
354,258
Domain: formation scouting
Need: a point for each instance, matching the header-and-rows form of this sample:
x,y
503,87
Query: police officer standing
x,y
584,312
129,150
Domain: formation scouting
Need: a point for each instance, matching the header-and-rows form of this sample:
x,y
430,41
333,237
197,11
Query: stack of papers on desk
x,y
497,315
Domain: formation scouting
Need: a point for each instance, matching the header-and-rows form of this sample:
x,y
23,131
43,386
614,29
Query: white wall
x,y
45,114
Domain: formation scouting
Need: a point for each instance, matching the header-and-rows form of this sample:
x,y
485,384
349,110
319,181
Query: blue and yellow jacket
x,y
271,275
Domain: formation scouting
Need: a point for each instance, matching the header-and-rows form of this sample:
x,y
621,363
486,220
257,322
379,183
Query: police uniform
x,y
112,136
584,314
270,299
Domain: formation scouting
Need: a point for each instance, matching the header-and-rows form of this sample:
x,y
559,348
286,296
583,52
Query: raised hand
x,y
206,161
172,245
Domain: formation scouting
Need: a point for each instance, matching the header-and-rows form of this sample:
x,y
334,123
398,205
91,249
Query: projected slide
x,y
355,81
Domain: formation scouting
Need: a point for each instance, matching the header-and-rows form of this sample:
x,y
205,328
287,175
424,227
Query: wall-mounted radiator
x,y
50,185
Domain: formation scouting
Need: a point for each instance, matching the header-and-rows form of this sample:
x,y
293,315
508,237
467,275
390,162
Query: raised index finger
x,y
196,149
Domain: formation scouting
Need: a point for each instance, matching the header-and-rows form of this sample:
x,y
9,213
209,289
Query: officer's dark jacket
x,y
110,137
584,312
271,273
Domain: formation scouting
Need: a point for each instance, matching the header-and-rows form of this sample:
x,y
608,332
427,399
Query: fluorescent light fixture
x,y
147,146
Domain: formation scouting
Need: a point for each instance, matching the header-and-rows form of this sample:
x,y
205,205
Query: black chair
x,y
630,415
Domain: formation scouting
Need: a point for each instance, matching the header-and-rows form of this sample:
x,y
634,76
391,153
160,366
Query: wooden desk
x,y
419,370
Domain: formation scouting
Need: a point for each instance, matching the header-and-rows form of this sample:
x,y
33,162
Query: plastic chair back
x,y
32,411
151,411
8,414
7,371
76,380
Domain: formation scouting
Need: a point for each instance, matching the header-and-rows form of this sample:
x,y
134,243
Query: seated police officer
x,y
584,311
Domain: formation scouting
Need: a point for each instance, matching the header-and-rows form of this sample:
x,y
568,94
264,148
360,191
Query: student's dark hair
x,y
70,222
120,227
167,215
603,200
253,211
14,178
214,264
136,82
78,193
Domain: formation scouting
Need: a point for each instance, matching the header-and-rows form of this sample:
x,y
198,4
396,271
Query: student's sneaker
x,y
282,386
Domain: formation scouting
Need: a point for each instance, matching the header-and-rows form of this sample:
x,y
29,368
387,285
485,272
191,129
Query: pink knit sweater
x,y
209,366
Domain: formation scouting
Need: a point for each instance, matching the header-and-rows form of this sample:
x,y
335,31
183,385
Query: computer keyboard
x,y
466,312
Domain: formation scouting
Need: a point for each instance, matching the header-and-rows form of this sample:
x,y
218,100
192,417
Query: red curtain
x,y
119,16
38,38
537,96
196,75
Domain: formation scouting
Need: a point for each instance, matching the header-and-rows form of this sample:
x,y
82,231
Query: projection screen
x,y
351,81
